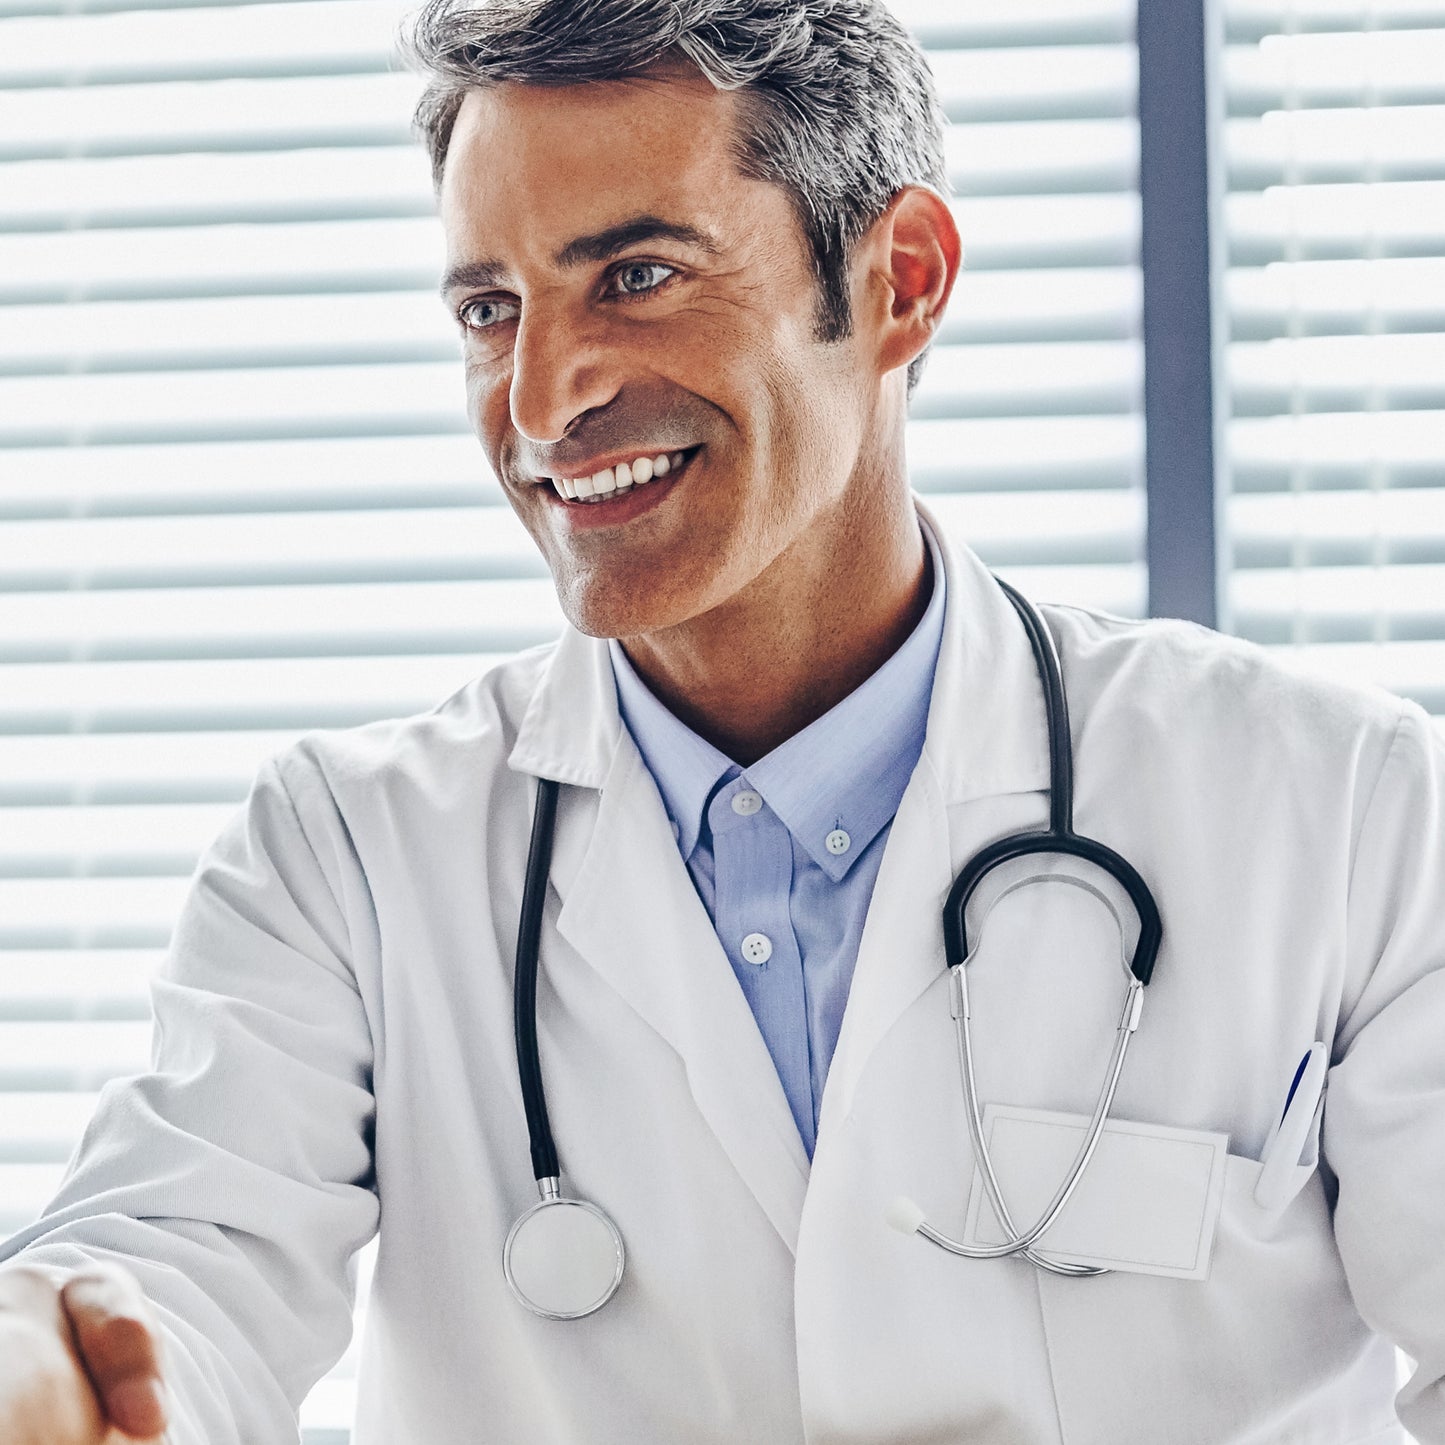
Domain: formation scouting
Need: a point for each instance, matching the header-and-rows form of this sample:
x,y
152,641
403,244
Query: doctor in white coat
x,y
708,237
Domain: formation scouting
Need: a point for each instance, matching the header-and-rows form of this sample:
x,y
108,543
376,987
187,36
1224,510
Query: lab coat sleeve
x,y
1384,1120
235,1179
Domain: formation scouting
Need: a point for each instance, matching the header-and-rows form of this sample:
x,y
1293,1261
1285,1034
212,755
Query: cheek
x,y
810,426
487,386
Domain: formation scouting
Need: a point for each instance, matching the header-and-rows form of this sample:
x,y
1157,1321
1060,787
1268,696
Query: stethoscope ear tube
x,y
524,994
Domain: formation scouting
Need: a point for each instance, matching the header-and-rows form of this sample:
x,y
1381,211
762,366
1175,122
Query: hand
x,y
80,1361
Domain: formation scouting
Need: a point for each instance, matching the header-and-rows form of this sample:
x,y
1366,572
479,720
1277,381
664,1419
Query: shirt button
x,y
837,842
757,948
746,803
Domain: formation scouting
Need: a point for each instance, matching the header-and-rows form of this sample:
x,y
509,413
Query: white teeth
x,y
617,479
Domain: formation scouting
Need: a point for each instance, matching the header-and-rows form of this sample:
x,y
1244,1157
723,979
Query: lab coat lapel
x,y
987,737
631,911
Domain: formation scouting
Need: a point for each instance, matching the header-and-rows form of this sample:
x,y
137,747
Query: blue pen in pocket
x,y
1277,1180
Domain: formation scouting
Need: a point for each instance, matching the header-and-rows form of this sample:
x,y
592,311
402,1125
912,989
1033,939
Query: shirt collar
x,y
684,766
847,769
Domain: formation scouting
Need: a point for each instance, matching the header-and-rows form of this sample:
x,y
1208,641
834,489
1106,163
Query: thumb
x,y
120,1346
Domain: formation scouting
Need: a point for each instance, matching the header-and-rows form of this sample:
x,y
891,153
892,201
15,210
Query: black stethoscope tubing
x,y
524,998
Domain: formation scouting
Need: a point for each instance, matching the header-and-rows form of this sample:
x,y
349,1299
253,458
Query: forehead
x,y
533,163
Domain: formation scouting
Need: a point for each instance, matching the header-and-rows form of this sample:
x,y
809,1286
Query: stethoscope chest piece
x,y
563,1258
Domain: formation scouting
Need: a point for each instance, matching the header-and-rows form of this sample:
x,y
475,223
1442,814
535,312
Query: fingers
x,y
120,1346
45,1396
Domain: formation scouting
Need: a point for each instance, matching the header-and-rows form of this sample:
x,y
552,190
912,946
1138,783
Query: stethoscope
x,y
564,1257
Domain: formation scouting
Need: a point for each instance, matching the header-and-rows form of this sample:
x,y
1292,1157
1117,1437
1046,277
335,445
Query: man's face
x,y
626,295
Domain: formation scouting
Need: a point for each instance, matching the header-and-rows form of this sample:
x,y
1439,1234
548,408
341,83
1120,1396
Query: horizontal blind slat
x,y
250,259
89,1052
372,545
289,113
113,840
228,693
1394,67
75,983
371,619
1257,19
157,767
210,41
1385,524
251,475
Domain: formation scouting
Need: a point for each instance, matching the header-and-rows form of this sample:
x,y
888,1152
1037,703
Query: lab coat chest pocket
x,y
1268,1348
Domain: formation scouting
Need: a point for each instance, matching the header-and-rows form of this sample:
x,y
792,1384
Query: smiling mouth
x,y
617,481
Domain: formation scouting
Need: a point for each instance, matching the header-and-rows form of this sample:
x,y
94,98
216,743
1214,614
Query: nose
x,y
560,371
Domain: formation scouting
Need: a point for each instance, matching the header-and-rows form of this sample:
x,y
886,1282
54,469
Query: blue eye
x,y
637,278
489,311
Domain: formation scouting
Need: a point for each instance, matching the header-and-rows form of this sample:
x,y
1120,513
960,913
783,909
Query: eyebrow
x,y
584,250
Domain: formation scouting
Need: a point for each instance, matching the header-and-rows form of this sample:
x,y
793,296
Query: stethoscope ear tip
x,y
904,1215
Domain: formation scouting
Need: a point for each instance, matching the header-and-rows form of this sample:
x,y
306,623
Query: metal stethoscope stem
x,y
1021,1241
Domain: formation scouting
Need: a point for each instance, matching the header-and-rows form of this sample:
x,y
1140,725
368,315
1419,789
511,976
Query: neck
x,y
815,625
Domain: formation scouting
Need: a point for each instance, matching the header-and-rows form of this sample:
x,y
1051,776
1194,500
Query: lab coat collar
x,y
987,724
572,726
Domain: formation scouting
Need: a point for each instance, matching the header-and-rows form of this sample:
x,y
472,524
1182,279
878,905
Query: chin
x,y
616,599
616,611
596,612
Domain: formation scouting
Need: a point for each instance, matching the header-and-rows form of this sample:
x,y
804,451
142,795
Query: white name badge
x,y
1147,1204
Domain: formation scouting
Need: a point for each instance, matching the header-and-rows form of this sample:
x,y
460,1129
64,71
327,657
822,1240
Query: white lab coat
x,y
334,1052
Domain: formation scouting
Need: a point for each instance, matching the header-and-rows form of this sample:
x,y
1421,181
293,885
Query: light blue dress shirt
x,y
784,854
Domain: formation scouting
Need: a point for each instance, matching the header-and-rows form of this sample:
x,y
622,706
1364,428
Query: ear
x,y
913,255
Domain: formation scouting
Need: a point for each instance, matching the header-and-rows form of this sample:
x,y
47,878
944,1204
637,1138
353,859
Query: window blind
x,y
1334,357
239,497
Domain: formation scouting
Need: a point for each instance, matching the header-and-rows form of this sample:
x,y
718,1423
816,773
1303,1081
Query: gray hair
x,y
840,107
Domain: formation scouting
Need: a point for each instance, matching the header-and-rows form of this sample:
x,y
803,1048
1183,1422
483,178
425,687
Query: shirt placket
x,y
753,860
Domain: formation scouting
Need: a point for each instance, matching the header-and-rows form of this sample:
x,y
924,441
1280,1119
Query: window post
x,y
1182,544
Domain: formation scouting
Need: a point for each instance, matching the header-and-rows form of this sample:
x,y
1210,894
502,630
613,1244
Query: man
x,y
696,249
